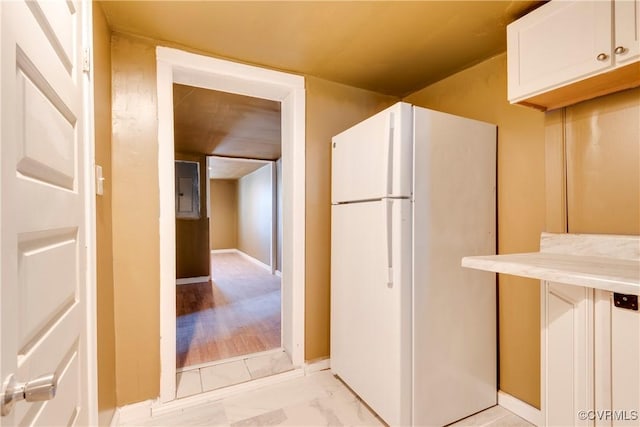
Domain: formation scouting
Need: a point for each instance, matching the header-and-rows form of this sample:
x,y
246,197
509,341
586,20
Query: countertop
x,y
604,262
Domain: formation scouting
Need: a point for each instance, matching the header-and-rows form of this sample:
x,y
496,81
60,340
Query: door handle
x,y
389,156
42,388
389,248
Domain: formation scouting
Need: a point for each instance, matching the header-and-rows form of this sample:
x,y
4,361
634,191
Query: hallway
x,y
236,314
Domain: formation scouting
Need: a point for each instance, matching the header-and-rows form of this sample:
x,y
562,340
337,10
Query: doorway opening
x,y
181,68
228,329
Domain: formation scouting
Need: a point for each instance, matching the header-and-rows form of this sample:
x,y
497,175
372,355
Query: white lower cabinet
x,y
590,358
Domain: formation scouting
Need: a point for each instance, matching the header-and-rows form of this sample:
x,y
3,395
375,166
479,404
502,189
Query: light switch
x,y
99,181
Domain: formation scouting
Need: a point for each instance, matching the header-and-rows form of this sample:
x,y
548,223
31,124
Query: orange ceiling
x,y
391,47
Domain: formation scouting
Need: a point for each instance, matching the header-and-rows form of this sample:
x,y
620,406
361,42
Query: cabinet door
x,y
556,44
625,366
617,363
627,30
569,354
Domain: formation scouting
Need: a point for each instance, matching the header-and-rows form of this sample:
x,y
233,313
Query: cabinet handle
x,y
620,50
602,57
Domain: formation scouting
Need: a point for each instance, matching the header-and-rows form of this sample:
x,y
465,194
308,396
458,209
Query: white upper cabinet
x,y
627,31
563,43
557,43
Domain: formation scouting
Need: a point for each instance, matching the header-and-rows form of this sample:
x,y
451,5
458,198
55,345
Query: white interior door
x,y
43,301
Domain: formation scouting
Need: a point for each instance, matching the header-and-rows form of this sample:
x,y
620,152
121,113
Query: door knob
x,y
39,389
602,57
620,50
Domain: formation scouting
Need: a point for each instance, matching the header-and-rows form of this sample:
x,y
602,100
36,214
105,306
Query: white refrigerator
x,y
412,333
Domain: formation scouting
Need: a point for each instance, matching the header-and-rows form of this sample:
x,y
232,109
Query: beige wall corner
x,y
104,244
331,108
135,219
555,172
224,214
480,93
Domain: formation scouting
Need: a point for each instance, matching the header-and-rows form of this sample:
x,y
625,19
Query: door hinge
x,y
630,302
86,60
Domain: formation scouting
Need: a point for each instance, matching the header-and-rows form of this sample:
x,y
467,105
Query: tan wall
x,y
603,164
480,93
224,214
192,235
255,214
136,246
331,108
104,249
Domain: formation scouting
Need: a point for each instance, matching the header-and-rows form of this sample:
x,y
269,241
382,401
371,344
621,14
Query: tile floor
x,y
194,380
318,399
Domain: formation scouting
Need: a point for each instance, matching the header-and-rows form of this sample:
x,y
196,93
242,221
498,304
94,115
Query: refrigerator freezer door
x,y
372,160
371,304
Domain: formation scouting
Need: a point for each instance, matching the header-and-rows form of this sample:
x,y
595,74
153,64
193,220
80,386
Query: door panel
x,y
46,139
43,201
370,304
569,344
56,18
43,297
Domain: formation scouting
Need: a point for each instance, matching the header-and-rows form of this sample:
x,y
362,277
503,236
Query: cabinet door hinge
x,y
630,302
86,60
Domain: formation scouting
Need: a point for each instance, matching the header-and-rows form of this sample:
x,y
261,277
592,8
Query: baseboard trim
x,y
145,411
190,280
278,273
115,418
317,365
255,261
210,396
133,413
245,255
520,408
223,251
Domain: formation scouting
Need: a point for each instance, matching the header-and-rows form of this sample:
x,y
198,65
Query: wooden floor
x,y
238,313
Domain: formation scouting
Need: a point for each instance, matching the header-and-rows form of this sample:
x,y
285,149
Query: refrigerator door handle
x,y
389,155
389,225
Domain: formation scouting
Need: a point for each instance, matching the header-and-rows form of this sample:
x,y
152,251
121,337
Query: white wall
x,y
255,213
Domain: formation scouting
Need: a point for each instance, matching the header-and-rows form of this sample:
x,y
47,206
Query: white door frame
x,y
91,285
176,66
